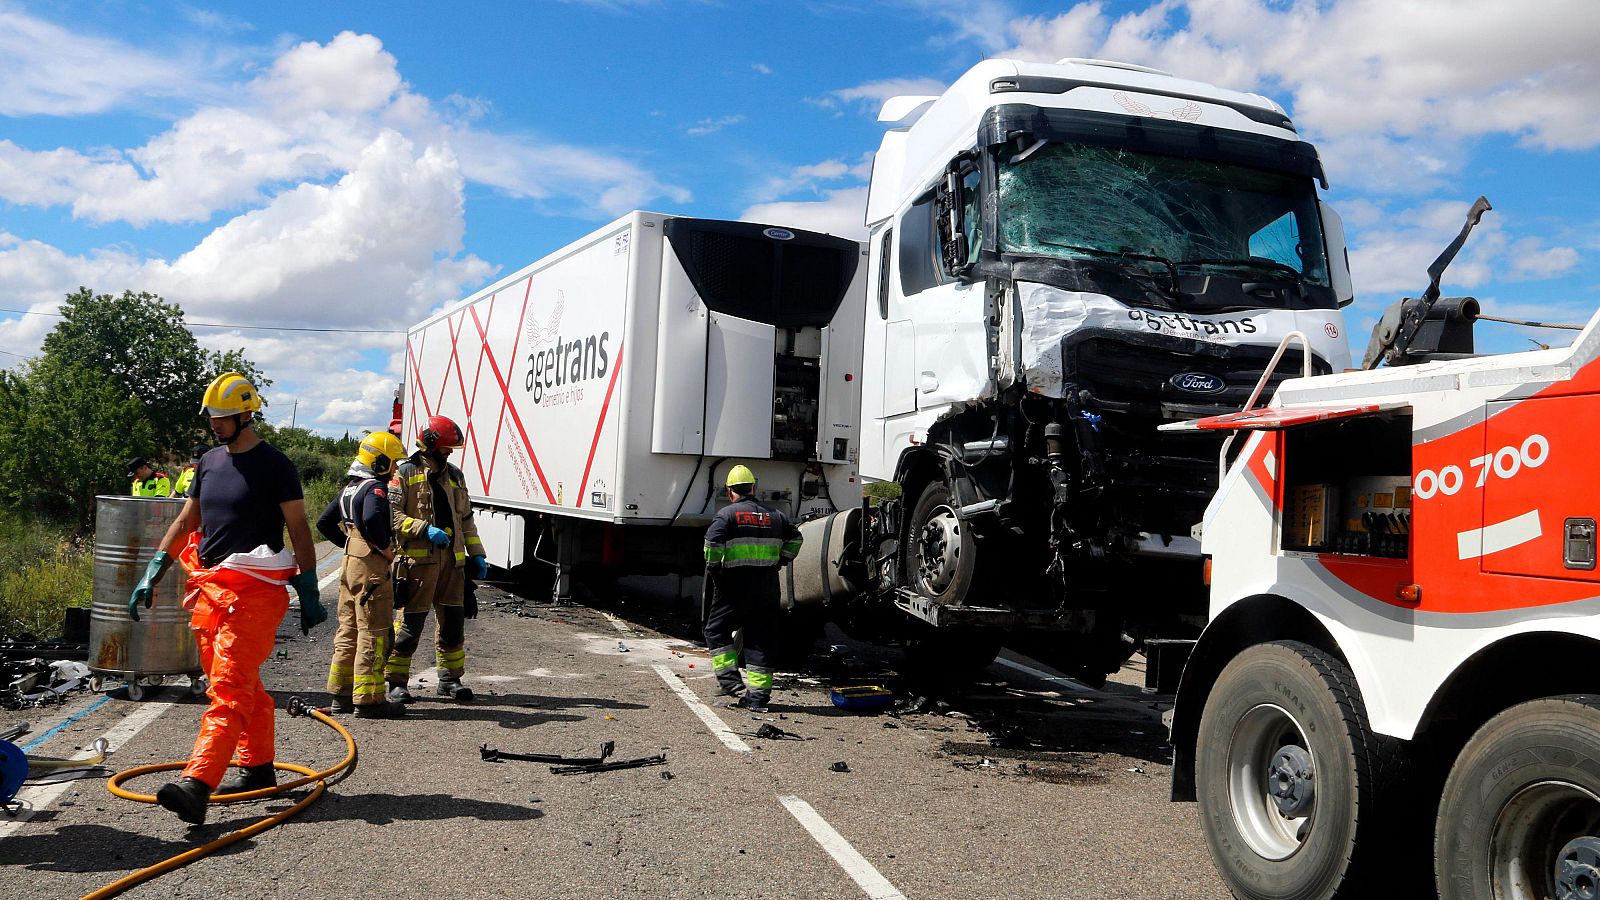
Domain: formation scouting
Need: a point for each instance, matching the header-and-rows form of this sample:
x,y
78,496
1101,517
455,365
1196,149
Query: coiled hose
x,y
322,780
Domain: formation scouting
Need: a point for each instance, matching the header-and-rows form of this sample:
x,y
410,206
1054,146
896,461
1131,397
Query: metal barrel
x,y
128,531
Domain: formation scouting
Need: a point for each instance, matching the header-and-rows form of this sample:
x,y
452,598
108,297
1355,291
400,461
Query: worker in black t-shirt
x,y
231,533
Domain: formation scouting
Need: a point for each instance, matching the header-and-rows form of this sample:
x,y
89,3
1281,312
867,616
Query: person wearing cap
x,y
148,481
230,531
180,488
745,546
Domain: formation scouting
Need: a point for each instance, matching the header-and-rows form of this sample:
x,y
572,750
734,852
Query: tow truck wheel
x,y
1520,814
1291,778
944,552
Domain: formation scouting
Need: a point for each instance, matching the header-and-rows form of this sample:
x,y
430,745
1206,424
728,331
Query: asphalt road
x,y
1022,786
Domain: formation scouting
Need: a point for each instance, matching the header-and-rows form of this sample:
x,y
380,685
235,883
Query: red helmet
x,y
438,433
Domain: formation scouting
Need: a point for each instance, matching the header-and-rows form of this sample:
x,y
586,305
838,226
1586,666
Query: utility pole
x,y
292,410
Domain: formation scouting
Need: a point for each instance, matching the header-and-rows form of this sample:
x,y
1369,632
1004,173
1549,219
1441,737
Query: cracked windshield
x,y
1161,214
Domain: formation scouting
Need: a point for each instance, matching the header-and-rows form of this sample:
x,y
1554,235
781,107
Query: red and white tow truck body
x,y
1403,586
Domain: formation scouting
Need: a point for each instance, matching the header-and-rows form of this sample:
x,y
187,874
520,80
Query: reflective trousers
x,y
438,585
235,631
361,645
743,599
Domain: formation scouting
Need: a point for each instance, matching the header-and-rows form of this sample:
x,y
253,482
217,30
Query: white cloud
x,y
1376,81
761,68
872,94
1391,254
309,116
52,71
713,125
841,212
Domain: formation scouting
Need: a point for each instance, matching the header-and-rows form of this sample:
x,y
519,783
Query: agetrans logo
x,y
556,374
1198,383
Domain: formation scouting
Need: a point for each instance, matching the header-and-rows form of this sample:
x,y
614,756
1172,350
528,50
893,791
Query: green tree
x,y
68,431
141,344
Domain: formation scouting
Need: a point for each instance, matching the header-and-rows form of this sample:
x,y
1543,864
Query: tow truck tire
x,y
942,551
1520,813
1291,781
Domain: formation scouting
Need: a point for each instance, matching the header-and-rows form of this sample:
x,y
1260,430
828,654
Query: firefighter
x,y
231,533
432,515
358,521
745,545
180,488
147,481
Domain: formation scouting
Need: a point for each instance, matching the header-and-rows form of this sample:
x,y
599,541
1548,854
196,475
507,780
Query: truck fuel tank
x,y
816,576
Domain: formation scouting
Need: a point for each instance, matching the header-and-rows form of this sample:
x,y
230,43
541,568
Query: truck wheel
x,y
944,552
1290,778
1520,814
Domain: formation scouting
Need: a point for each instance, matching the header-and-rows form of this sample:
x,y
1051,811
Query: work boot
x,y
454,689
752,702
385,709
249,778
187,797
730,686
399,694
341,705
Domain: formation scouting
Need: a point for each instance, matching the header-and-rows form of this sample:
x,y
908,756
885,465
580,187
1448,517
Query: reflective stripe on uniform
x,y
421,553
724,659
715,553
474,544
418,478
758,677
752,552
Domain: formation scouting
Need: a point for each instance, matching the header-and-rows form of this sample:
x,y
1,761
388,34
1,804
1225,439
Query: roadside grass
x,y
42,572
319,493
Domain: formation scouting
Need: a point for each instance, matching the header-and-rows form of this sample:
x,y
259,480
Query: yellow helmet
x,y
230,395
741,475
380,451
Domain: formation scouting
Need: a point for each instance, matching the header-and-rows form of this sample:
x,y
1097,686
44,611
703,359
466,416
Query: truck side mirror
x,y
1338,256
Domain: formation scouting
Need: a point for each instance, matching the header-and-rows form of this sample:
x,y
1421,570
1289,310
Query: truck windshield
x,y
1098,204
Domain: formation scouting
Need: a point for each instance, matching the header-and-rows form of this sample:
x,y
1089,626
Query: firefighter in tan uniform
x,y
359,520
432,516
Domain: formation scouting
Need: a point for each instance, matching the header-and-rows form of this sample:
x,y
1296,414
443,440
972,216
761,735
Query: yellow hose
x,y
322,780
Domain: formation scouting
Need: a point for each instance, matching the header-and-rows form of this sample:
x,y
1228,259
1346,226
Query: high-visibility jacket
x,y
156,485
180,488
750,534
412,507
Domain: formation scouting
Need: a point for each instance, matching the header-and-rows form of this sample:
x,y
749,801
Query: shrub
x,y
319,494
42,572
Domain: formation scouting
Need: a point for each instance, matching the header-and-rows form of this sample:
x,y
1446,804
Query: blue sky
x,y
357,165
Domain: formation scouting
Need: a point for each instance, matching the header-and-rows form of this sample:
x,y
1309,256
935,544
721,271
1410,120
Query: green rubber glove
x,y
311,612
144,592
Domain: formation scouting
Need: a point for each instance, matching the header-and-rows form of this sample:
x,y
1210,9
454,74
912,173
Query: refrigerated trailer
x,y
606,389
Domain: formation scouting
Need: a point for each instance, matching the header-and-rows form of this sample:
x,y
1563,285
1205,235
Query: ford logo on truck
x,y
1198,383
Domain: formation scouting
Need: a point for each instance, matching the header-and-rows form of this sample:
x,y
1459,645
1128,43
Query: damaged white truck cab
x,y
1063,257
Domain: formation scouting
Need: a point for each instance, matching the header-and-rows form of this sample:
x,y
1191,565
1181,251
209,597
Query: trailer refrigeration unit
x,y
1062,258
1404,626
606,389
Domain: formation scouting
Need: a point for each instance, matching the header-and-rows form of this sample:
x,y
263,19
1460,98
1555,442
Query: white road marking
x,y
1057,680
618,624
698,707
854,864
330,579
41,796
1476,542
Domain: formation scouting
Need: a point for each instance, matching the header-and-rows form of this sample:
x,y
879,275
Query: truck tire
x,y
1520,813
1291,780
942,557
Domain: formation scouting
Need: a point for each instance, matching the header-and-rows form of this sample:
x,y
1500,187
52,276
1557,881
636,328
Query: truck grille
x,y
1162,482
